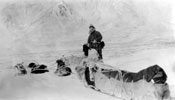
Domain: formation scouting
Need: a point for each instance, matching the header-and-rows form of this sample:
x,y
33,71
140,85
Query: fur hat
x,y
91,26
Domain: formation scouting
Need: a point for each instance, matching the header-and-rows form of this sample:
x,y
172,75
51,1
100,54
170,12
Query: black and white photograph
x,y
87,50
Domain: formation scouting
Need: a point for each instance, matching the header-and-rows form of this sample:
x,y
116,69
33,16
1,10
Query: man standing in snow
x,y
94,42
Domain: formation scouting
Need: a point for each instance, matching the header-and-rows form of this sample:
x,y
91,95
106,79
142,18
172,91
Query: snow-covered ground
x,y
48,86
137,33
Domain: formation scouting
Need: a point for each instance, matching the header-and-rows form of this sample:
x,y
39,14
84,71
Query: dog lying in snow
x,y
21,69
37,69
62,69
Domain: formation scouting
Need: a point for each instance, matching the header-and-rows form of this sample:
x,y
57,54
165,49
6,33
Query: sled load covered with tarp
x,y
127,85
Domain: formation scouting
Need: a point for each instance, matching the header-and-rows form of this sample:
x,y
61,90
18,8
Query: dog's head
x,y
19,66
60,62
160,76
92,66
94,69
32,65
